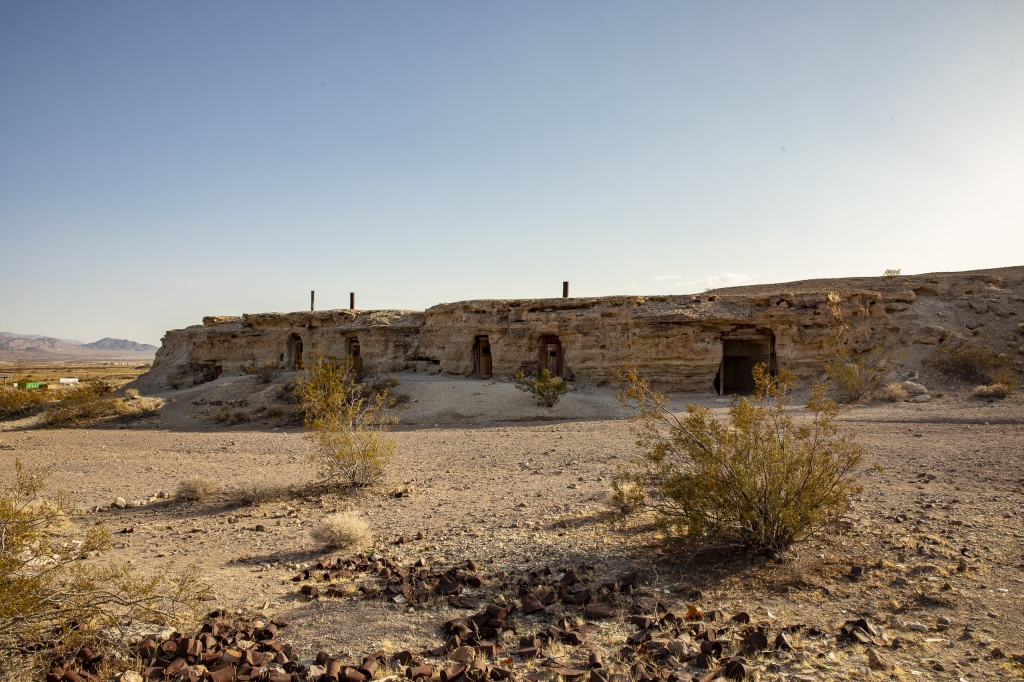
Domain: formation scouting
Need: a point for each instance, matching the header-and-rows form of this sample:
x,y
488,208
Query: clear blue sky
x,y
161,161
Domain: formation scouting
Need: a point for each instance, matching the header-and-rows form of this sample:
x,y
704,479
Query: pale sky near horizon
x,y
162,161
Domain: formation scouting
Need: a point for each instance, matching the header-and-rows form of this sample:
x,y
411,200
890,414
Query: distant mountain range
x,y
36,347
120,344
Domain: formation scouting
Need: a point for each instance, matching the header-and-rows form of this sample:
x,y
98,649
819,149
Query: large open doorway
x,y
741,352
551,355
357,358
482,357
294,352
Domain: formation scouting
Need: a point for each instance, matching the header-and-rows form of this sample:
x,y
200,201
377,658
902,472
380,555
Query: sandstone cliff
x,y
678,341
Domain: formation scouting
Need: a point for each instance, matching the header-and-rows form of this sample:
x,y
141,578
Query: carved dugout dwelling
x,y
690,343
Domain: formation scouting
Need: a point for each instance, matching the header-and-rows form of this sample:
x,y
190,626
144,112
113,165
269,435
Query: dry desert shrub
x,y
992,391
623,499
264,372
137,407
131,394
894,393
79,404
93,401
347,422
229,416
892,272
757,480
17,402
48,595
388,382
255,493
545,388
195,489
855,376
239,416
975,360
340,531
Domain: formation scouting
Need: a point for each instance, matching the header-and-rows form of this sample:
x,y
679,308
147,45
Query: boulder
x,y
913,388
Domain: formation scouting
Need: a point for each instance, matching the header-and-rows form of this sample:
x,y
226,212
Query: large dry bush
x,y
88,402
340,531
48,594
347,422
545,388
757,480
975,360
17,402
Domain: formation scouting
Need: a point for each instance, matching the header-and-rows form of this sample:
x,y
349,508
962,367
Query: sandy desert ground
x,y
488,476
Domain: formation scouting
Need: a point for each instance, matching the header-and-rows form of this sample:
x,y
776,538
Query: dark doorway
x,y
739,356
357,359
551,355
218,370
482,357
294,352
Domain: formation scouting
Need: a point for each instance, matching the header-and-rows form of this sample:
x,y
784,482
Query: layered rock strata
x,y
678,341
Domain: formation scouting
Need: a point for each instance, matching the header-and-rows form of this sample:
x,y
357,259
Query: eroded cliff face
x,y
677,341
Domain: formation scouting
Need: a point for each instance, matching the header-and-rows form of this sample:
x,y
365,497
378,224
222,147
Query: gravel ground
x,y
938,528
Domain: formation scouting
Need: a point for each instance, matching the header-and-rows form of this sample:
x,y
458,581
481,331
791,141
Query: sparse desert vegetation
x,y
748,516
253,493
975,360
756,480
993,391
265,372
16,402
347,423
89,402
533,495
857,375
48,593
894,392
547,389
341,531
195,489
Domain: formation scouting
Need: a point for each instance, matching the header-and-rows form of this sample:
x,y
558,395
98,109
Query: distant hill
x,y
34,347
120,344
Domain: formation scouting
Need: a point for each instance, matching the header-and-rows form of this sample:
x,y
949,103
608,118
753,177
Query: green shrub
x,y
347,423
545,388
757,480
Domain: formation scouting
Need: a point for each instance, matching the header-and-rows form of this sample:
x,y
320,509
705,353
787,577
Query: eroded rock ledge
x,y
677,341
